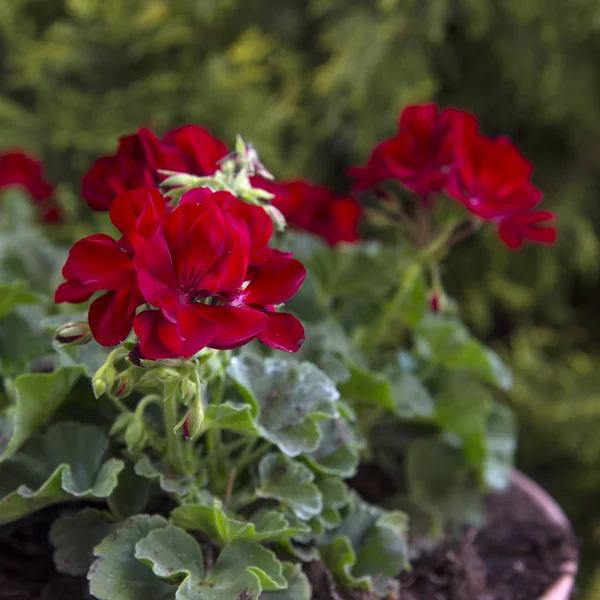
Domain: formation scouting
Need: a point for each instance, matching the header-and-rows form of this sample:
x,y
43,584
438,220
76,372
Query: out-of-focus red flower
x,y
316,209
203,271
491,177
492,180
189,149
20,169
420,155
533,226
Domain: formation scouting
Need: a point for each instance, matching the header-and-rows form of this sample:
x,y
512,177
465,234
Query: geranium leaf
x,y
338,452
212,519
368,548
232,416
131,495
91,356
370,387
241,571
447,343
116,574
66,463
14,294
501,444
298,587
75,536
286,397
37,396
161,473
291,483
334,491
440,478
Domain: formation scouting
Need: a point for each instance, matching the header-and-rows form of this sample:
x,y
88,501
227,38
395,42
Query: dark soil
x,y
517,556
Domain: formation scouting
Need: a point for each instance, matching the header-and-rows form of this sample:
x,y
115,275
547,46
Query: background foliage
x,y
314,84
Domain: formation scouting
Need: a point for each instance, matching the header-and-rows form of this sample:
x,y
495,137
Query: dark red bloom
x,y
420,155
533,226
20,169
491,178
199,275
315,209
189,149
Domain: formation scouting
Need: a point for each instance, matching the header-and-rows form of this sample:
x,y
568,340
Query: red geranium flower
x,y
315,209
528,225
492,180
420,156
203,270
20,169
189,149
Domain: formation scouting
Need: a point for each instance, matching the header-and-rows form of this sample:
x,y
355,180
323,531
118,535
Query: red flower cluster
x,y
190,149
315,209
198,275
436,152
20,169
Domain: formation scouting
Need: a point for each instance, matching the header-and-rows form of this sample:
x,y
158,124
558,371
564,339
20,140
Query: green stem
x,y
251,455
390,312
213,435
175,453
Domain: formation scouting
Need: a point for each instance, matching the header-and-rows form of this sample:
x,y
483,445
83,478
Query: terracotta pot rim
x,y
563,586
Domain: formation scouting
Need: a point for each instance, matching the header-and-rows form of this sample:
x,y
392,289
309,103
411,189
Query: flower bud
x,y
75,333
123,385
135,356
192,425
437,302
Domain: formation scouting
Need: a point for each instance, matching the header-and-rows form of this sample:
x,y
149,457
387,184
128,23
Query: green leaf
x,y
298,587
66,463
334,491
369,548
287,398
400,392
90,356
37,396
439,478
291,483
213,520
338,452
14,294
132,494
447,343
241,571
116,574
384,551
501,445
75,536
235,417
463,408
163,474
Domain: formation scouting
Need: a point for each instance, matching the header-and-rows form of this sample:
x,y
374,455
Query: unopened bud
x,y
192,425
75,333
135,356
437,302
123,385
99,386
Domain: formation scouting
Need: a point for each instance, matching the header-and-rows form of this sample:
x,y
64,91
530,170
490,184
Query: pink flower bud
x,y
74,333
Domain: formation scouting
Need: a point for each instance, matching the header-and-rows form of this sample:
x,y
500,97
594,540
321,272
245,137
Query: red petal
x,y
145,325
137,214
154,260
100,263
276,281
201,149
237,325
111,316
284,332
72,291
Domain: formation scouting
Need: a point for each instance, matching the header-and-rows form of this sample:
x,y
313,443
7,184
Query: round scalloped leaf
x,y
241,571
269,526
116,574
291,483
298,587
338,452
37,396
66,463
75,536
233,416
447,343
287,397
160,472
132,494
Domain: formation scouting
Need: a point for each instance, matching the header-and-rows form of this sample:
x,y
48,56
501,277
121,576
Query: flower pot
x,y
563,587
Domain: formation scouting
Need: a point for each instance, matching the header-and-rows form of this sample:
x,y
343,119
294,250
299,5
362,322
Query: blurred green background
x,y
314,84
